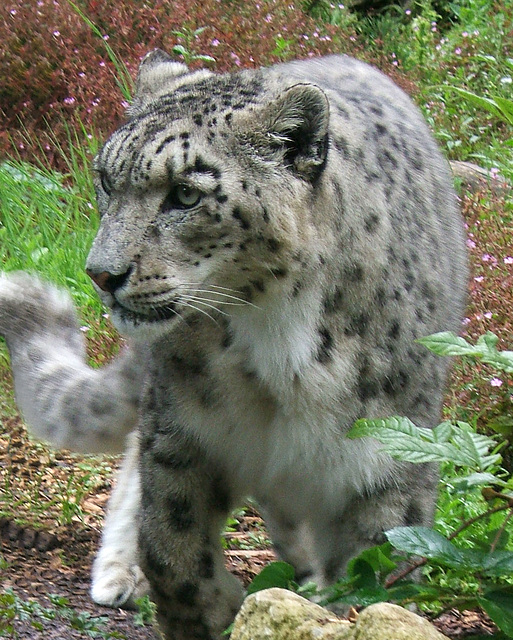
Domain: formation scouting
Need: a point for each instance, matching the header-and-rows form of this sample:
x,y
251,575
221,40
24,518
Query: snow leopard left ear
x,y
298,121
158,75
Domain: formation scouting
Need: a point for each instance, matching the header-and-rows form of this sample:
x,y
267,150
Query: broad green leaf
x,y
276,574
363,574
427,543
418,592
364,597
447,343
379,558
498,604
443,432
179,50
388,427
474,447
405,441
473,480
495,564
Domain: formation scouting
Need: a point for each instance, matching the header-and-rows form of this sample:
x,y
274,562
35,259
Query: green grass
x,y
48,222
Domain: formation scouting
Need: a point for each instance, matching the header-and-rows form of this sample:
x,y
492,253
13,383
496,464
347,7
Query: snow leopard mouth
x,y
152,315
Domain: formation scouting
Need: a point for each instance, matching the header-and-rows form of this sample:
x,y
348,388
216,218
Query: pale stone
x,y
386,621
277,614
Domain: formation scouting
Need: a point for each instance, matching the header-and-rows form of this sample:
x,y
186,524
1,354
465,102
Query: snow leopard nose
x,y
107,281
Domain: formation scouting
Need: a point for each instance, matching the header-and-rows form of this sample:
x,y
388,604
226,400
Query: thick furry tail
x,y
64,401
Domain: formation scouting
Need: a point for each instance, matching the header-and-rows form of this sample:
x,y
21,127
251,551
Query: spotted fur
x,y
273,242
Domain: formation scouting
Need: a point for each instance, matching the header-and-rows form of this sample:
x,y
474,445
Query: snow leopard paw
x,y
118,585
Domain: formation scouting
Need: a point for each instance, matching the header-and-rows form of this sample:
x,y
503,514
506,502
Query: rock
x,y
474,178
386,621
277,614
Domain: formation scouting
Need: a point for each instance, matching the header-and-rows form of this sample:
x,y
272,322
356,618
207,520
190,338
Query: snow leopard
x,y
272,244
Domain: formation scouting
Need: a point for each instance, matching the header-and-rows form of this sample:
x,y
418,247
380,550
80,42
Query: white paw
x,y
117,585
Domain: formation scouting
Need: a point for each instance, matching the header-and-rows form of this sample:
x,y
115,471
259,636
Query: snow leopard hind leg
x,y
57,392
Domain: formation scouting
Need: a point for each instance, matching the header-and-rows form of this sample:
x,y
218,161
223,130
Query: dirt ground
x,y
42,564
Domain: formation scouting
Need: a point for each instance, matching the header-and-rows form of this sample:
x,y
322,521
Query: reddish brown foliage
x,y
54,69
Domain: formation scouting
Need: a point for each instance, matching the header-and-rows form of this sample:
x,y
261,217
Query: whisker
x,y
186,303
238,301
199,288
205,304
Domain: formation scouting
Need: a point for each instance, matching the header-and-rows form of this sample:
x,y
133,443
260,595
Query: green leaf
x,y
447,343
379,558
180,50
364,597
276,574
363,574
494,564
388,428
498,604
427,543
405,441
443,432
473,480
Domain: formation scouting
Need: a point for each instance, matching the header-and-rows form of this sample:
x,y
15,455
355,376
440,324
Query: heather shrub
x,y
55,69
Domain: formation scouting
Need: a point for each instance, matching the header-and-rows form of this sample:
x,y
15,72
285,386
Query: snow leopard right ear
x,y
158,75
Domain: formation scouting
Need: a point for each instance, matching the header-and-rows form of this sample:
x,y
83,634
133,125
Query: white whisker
x,y
192,288
186,303
204,302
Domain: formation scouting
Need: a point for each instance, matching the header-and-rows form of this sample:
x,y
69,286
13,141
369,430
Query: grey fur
x,y
274,241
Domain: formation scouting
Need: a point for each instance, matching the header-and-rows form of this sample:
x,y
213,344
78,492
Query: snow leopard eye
x,y
182,196
106,183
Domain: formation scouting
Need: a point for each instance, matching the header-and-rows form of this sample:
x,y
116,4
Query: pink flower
x,y
496,382
488,315
508,260
479,278
471,244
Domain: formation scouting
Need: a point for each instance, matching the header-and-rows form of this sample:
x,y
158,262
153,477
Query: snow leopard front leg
x,y
71,405
64,401
185,501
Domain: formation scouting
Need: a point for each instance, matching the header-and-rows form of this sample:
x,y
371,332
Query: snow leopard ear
x,y
158,74
298,121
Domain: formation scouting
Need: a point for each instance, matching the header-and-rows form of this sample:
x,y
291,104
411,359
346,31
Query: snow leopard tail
x,y
64,401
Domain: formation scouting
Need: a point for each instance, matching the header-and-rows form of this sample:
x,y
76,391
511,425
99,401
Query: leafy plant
x,y
146,611
186,48
13,609
471,463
